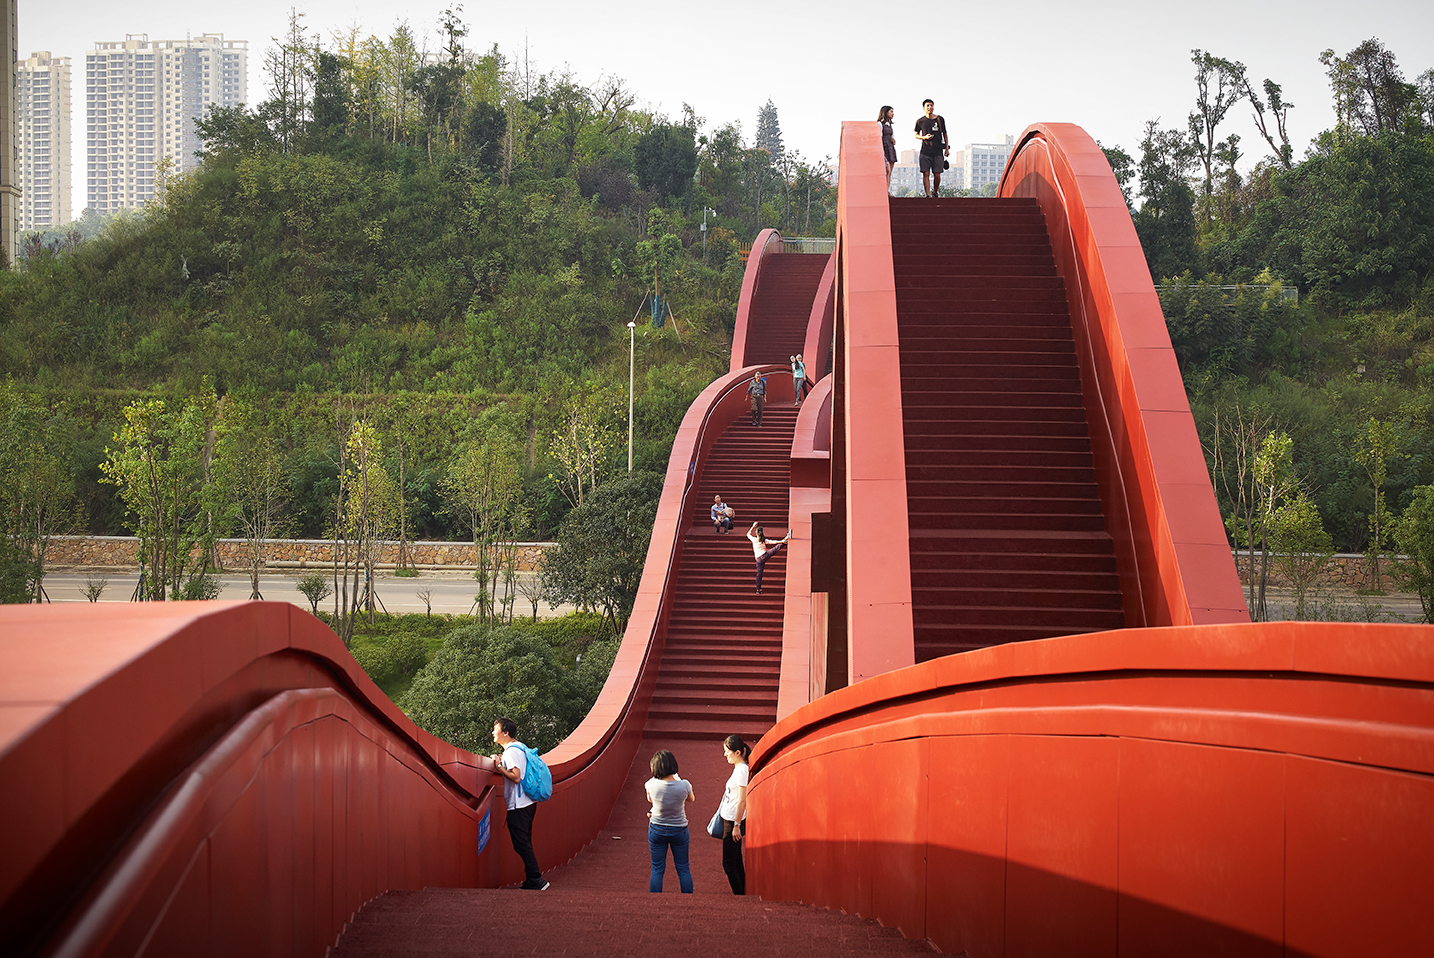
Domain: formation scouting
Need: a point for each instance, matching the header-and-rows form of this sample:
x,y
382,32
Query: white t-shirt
x,y
513,794
728,808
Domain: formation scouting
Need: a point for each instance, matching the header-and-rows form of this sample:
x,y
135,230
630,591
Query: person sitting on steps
x,y
721,516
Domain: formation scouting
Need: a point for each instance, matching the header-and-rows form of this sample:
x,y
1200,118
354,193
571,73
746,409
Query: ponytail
x,y
734,743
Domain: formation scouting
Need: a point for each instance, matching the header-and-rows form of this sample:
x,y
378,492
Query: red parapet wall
x,y
1173,554
868,380
161,764
195,778
1232,789
767,241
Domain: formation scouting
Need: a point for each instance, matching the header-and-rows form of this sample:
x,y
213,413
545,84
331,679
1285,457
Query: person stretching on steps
x,y
762,550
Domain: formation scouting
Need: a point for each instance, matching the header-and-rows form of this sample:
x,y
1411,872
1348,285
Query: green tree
x,y
1415,538
1219,85
1279,111
37,490
768,137
1379,442
1369,90
1274,480
161,464
481,674
1165,221
483,486
250,481
1302,546
363,512
584,440
666,160
602,545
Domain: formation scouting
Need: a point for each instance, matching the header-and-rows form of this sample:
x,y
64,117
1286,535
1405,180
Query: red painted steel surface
x,y
803,645
160,763
767,241
878,565
1174,555
816,350
1221,789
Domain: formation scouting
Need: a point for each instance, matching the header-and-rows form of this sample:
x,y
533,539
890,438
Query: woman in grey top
x,y
667,826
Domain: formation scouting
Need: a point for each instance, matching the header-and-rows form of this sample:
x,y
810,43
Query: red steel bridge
x,y
1005,693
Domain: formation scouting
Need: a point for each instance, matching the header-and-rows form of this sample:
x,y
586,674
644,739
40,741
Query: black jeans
x,y
520,829
757,403
732,862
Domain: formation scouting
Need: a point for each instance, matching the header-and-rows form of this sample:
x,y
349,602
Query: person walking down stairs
x,y
757,392
762,549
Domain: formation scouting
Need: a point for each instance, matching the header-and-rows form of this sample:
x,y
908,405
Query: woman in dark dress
x,y
888,141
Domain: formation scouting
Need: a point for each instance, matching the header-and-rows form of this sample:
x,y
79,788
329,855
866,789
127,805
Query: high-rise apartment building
x,y
141,102
985,162
9,187
42,145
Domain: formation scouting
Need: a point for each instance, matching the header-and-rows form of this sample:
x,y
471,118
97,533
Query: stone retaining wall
x,y
118,552
1343,572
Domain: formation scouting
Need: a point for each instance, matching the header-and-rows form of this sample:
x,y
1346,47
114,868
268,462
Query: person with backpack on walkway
x,y
667,821
521,806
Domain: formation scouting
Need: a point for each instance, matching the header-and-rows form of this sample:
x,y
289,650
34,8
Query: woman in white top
x,y
763,549
667,827
734,813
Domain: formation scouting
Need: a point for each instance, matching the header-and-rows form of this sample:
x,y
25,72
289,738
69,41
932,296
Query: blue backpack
x,y
537,780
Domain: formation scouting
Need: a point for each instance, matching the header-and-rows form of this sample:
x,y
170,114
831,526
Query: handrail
x,y
821,324
867,412
1249,787
168,722
767,241
1174,569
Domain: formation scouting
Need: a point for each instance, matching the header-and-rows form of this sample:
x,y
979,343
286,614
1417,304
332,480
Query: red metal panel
x,y
1062,827
1202,849
966,843
878,562
1360,865
1154,485
767,241
1225,789
817,347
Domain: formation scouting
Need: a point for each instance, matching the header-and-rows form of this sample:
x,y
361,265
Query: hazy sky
x,y
1107,65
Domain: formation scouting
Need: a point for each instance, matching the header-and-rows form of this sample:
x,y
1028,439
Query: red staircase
x,y
782,306
1008,537
724,643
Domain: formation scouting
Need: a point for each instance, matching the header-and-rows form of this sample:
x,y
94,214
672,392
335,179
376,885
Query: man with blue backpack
x,y
526,781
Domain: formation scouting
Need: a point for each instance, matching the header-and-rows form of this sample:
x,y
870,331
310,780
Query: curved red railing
x,y
767,241
160,762
817,347
1171,546
869,458
1197,790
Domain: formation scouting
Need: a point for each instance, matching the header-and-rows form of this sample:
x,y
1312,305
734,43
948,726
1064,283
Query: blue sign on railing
x,y
483,830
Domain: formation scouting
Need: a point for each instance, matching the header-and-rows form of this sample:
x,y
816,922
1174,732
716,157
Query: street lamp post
x,y
705,211
631,366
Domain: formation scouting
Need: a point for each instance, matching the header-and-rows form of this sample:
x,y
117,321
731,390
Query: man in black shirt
x,y
935,147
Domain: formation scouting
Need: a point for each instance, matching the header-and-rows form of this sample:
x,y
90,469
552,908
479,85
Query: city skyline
x,y
1108,66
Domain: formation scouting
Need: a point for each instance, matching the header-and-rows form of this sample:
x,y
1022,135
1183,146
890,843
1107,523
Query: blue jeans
x,y
659,837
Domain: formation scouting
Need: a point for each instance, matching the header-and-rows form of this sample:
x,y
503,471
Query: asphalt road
x,y
449,593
